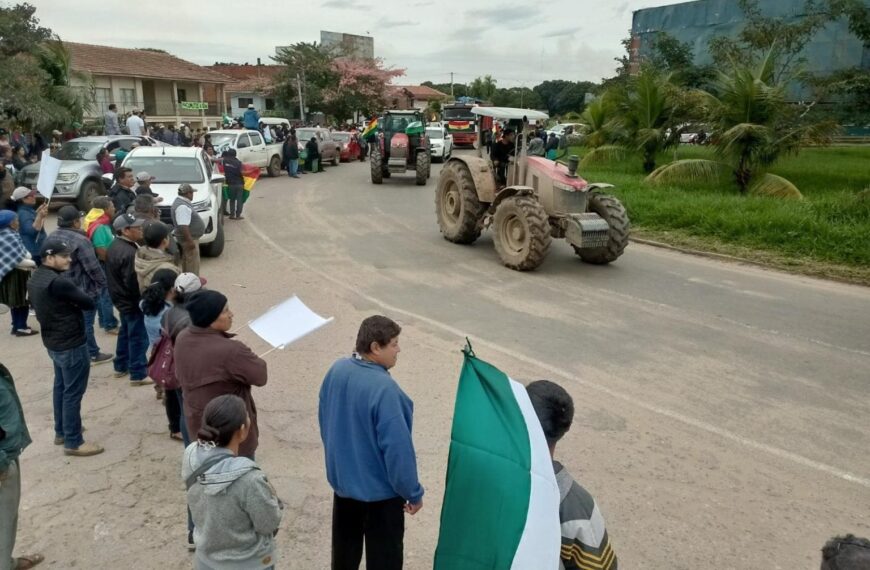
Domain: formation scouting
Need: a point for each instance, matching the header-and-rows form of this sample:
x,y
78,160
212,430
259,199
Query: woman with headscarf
x,y
15,267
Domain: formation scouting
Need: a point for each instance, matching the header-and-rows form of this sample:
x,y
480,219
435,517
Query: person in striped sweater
x,y
585,542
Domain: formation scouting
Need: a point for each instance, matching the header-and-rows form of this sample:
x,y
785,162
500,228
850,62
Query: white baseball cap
x,y
22,192
189,282
143,176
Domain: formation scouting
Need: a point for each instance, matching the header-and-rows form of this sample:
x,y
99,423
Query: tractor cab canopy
x,y
511,114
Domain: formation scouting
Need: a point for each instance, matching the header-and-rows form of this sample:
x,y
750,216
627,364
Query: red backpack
x,y
161,363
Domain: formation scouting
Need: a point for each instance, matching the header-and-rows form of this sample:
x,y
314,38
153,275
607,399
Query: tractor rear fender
x,y
592,186
481,173
507,192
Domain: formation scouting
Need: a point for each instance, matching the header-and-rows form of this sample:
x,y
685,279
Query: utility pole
x,y
451,86
301,104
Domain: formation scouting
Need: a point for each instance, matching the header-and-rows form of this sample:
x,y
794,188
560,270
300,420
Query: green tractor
x,y
402,145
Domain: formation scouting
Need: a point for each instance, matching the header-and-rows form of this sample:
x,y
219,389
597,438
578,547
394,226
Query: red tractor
x,y
402,145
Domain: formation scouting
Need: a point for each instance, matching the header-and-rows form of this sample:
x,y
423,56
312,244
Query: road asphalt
x,y
721,409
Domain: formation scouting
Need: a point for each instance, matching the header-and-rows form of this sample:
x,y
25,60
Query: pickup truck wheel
x,y
274,168
90,190
216,247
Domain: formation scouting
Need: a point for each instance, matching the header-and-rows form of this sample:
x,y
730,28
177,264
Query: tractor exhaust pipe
x,y
573,164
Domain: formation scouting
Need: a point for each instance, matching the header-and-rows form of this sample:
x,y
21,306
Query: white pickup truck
x,y
250,148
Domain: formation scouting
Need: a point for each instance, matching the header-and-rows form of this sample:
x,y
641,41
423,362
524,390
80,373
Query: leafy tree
x,y
598,118
361,86
669,55
754,126
35,73
561,97
483,87
519,97
314,67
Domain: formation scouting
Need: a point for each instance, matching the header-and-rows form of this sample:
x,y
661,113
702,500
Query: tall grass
x,y
830,225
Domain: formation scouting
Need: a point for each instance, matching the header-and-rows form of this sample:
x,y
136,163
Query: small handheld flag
x,y
370,128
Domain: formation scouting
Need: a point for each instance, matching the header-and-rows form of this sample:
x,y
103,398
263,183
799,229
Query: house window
x,y
102,98
245,101
128,97
182,95
270,104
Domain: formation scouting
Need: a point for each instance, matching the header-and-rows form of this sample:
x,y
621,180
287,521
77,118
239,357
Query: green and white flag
x,y
501,500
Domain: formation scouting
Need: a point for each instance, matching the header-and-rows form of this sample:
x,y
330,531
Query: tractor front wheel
x,y
614,214
456,205
423,166
521,232
377,167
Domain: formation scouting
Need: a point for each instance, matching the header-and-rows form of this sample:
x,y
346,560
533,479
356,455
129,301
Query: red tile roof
x,y
422,92
249,78
105,60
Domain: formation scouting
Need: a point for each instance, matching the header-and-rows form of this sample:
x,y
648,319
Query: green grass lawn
x,y
826,233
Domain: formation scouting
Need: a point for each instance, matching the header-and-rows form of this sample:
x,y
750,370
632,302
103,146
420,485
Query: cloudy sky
x,y
518,43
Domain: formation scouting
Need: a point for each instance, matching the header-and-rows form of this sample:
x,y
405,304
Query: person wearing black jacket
x,y
59,305
312,153
122,193
235,182
124,291
291,154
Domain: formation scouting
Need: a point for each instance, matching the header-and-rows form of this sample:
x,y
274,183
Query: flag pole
x,y
274,348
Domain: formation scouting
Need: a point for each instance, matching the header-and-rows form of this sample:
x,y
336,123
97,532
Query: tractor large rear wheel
x,y
423,166
456,205
377,166
521,232
614,214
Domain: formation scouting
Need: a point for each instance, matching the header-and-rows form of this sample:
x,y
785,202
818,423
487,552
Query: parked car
x,y
440,143
175,165
348,145
80,178
250,148
328,147
559,129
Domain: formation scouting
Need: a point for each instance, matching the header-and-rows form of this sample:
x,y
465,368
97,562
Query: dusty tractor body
x,y
402,145
541,200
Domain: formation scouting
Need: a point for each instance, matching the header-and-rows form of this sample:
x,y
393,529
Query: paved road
x,y
721,410
728,401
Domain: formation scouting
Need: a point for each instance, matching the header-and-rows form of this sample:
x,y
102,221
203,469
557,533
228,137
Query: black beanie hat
x,y
205,307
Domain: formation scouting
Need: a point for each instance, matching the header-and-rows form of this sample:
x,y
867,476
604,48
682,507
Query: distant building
x,y
249,85
696,23
413,96
167,88
359,47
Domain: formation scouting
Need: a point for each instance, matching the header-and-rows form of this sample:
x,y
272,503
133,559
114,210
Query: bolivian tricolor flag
x,y
250,174
458,125
370,128
501,500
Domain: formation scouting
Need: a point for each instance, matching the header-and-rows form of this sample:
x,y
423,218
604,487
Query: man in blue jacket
x,y
14,437
251,118
365,425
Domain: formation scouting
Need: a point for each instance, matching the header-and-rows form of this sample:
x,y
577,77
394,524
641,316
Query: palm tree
x,y
67,102
754,126
640,117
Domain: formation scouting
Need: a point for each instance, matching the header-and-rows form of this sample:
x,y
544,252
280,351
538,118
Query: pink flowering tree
x,y
359,85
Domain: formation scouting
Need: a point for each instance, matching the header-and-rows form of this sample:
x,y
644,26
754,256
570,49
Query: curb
x,y
735,259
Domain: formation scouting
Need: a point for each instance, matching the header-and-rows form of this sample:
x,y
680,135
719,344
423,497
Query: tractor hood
x,y
556,172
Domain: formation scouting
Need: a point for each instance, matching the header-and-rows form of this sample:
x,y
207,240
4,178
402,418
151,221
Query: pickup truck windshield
x,y
80,150
306,134
223,141
341,137
168,169
435,133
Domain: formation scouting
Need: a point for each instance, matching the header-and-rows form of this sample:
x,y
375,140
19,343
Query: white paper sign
x,y
287,323
49,167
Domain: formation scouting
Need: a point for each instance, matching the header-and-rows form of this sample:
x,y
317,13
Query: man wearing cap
x,y
135,124
60,308
123,193
209,363
124,290
189,227
143,186
31,220
85,271
251,118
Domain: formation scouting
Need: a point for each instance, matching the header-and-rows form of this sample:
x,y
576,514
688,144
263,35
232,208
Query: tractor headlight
x,y
563,187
